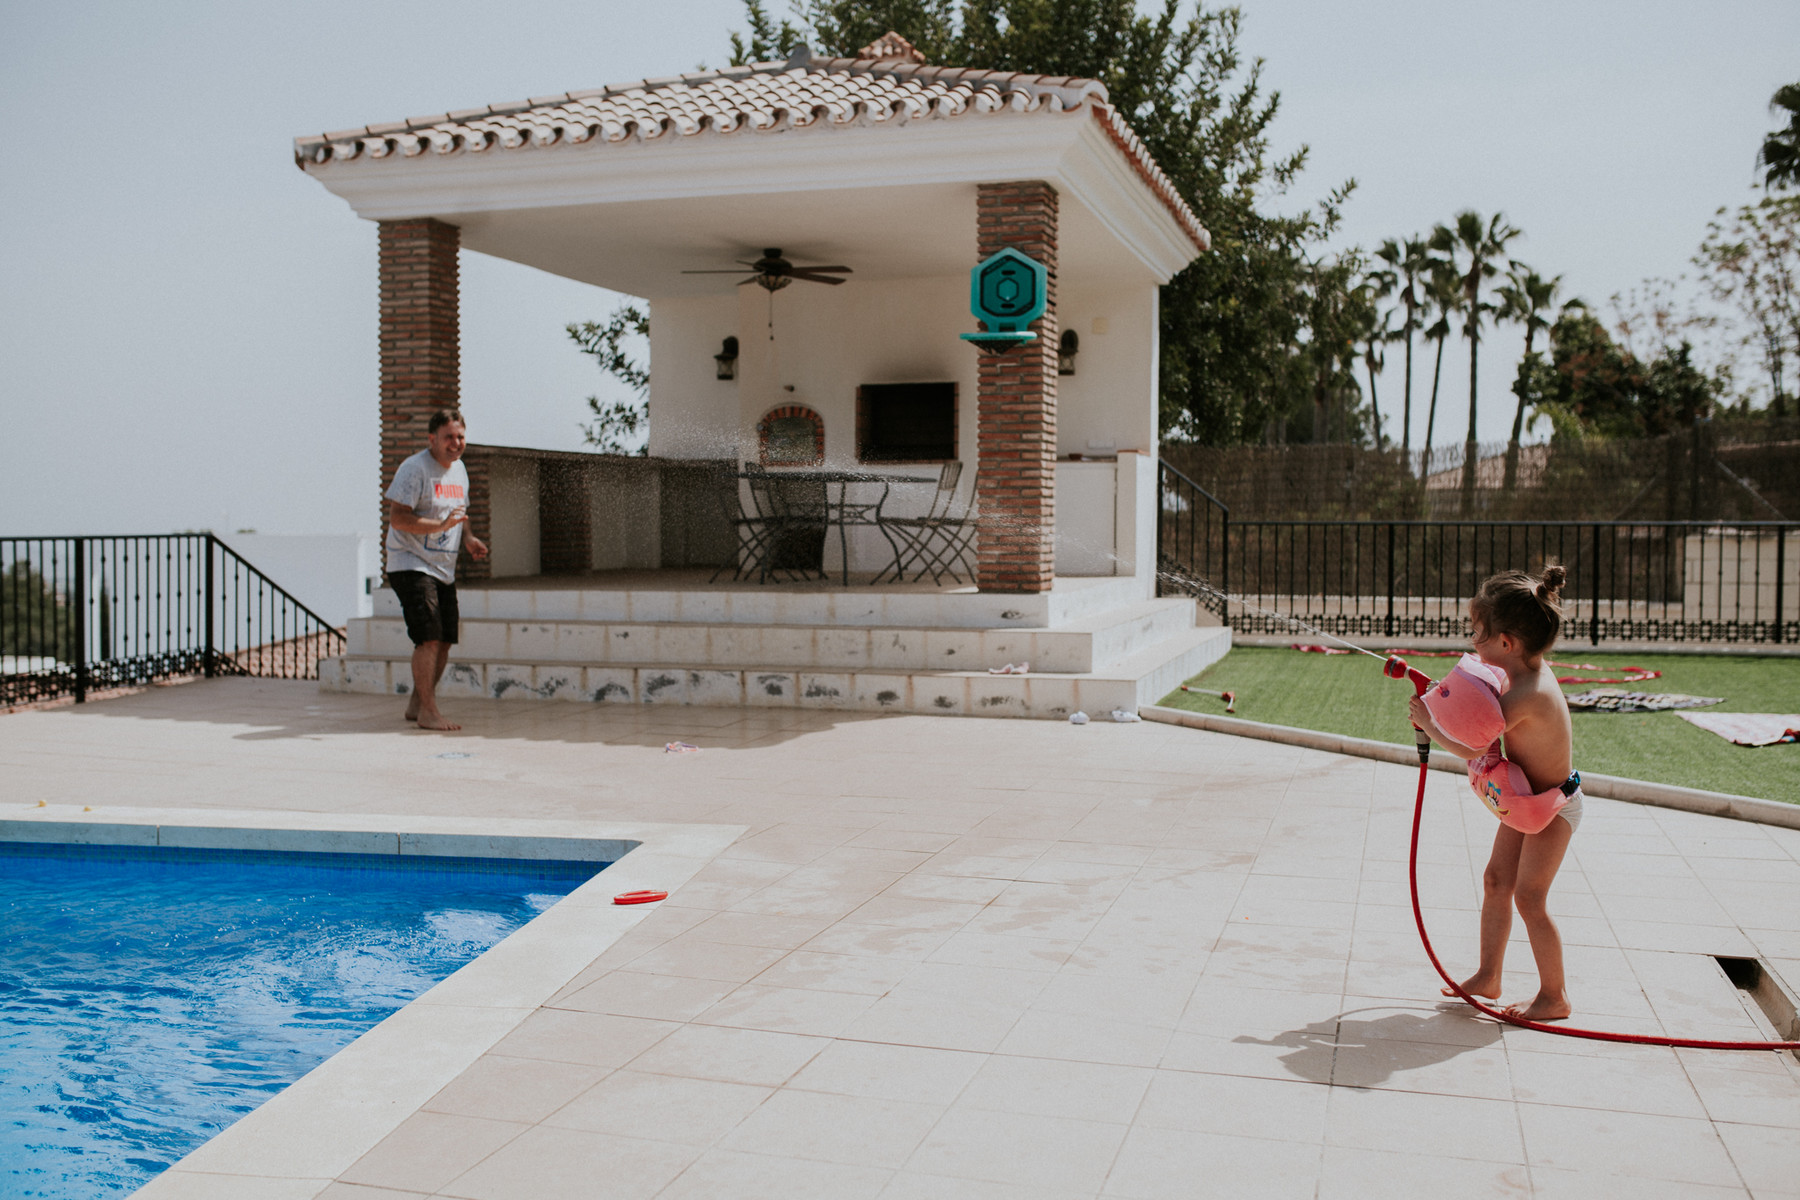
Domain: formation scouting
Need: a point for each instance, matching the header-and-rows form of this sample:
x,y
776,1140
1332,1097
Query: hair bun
x,y
1554,578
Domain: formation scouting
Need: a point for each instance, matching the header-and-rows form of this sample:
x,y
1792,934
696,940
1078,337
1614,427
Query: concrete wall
x,y
1086,518
513,525
626,521
335,575
1728,574
639,512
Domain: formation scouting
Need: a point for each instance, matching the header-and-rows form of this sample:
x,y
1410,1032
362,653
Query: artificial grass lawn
x,y
1348,694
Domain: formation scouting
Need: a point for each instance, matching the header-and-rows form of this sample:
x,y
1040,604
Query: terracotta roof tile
x,y
763,97
891,45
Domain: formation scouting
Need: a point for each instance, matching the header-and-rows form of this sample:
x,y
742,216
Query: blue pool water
x,y
149,997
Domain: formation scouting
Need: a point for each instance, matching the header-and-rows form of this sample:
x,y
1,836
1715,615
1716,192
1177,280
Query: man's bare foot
x,y
436,721
412,711
1543,1008
1485,986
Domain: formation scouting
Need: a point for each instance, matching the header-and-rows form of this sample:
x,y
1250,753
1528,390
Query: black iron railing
x,y
1193,541
1655,581
86,614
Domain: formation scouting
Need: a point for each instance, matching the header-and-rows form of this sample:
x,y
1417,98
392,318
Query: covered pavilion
x,y
907,173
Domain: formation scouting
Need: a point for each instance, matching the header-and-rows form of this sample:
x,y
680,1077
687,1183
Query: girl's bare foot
x,y
1543,1008
436,721
412,710
1485,986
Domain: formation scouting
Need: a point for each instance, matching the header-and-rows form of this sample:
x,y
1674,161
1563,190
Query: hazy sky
x,y
187,322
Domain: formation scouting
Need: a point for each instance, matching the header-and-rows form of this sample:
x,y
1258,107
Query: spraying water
x,y
1181,579
1194,583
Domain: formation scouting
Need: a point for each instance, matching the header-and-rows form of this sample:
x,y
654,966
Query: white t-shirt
x,y
433,492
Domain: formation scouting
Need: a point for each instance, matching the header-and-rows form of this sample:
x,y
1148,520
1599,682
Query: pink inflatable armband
x,y
1466,703
1500,785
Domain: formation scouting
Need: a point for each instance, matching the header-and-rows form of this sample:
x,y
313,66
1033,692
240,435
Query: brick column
x,y
420,358
1016,407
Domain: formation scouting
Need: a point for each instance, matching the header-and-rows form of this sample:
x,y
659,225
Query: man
x,y
428,505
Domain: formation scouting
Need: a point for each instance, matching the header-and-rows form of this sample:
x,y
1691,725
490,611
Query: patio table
x,y
839,511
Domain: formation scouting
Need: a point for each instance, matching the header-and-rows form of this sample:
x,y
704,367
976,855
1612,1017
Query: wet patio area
x,y
1001,960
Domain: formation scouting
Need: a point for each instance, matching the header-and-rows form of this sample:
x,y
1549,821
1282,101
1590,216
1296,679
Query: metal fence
x,y
1638,581
1720,471
86,614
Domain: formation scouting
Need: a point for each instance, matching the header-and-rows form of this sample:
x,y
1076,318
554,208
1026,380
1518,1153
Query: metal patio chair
x,y
800,510
755,530
938,542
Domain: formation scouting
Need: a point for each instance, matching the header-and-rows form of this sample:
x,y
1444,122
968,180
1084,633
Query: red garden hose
x,y
1397,669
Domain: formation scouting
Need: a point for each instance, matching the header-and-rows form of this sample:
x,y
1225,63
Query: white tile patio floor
x,y
1017,959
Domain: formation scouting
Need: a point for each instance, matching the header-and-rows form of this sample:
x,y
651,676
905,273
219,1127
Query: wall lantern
x,y
727,358
1066,351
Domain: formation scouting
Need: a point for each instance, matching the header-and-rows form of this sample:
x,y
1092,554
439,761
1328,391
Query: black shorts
x,y
429,604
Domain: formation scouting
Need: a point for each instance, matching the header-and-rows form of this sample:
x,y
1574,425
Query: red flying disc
x,y
639,897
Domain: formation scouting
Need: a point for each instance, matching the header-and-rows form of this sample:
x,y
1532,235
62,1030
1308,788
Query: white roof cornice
x,y
807,125
1072,151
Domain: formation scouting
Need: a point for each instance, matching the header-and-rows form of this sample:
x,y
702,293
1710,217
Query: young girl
x,y
1516,618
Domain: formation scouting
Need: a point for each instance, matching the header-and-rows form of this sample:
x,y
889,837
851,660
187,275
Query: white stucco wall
x,y
693,413
828,340
1109,404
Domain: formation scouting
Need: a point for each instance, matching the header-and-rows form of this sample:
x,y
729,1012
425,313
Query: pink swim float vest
x,y
1466,706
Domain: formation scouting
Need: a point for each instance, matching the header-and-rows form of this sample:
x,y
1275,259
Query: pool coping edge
x,y
300,1140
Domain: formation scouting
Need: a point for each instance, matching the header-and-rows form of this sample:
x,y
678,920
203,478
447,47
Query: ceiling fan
x,y
773,272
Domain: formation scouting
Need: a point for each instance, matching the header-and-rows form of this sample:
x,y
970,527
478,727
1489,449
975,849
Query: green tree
x,y
1233,321
1481,246
617,425
1780,154
1751,261
1525,298
35,620
766,40
1335,312
1594,386
1408,262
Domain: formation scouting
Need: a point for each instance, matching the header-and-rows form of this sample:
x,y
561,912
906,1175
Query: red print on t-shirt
x,y
447,491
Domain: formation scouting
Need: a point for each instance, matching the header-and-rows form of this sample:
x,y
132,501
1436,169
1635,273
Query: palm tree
x,y
1408,264
1332,331
1524,298
1441,292
1374,328
1482,246
1780,156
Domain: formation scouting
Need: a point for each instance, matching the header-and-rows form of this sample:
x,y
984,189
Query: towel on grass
x,y
1749,729
1616,700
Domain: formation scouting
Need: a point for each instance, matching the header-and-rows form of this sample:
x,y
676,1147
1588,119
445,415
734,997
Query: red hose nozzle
x,y
1395,668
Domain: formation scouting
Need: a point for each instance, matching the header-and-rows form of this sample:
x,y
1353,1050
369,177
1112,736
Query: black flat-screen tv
x,y
906,422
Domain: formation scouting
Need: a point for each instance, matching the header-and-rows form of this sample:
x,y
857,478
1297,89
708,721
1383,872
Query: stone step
x,y
1071,599
1140,679
1088,643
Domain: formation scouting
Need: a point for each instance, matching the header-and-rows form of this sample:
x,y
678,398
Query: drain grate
x,y
1760,985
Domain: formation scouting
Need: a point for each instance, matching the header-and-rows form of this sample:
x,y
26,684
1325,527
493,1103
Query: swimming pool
x,y
152,995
